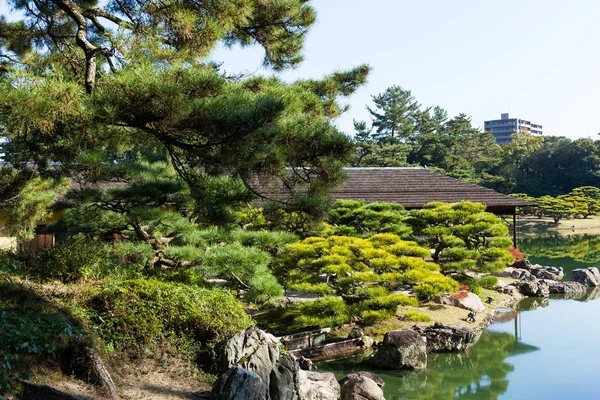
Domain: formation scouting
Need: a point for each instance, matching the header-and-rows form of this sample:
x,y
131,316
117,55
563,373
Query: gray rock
x,y
587,276
306,364
361,388
356,333
565,287
446,338
550,273
533,288
505,273
522,264
254,350
284,381
318,386
239,384
403,348
470,302
523,275
374,377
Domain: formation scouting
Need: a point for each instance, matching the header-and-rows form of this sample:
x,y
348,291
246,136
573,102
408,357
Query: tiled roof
x,y
415,187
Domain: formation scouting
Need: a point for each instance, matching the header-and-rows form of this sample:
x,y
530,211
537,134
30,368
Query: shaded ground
x,y
135,379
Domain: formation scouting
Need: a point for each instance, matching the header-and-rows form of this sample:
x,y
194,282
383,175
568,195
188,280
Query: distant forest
x,y
404,133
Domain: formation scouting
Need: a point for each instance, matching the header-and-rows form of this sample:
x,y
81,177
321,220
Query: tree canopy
x,y
87,78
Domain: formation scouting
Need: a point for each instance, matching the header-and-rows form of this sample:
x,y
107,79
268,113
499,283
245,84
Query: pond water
x,y
569,252
544,349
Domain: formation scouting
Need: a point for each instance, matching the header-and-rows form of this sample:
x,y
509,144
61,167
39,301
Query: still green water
x,y
569,252
544,349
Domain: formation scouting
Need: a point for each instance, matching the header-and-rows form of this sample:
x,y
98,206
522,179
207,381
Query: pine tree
x,y
79,76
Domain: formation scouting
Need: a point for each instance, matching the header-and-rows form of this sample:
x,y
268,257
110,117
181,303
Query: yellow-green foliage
x,y
323,312
464,236
417,316
347,263
362,272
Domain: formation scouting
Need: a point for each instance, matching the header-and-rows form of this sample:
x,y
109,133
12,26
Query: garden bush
x,y
475,284
323,312
133,314
30,327
416,316
354,217
362,272
464,236
71,260
245,267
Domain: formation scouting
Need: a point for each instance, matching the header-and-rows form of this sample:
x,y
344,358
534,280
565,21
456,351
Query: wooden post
x,y
515,227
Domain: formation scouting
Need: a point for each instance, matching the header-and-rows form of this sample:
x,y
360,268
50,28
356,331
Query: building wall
x,y
8,242
503,128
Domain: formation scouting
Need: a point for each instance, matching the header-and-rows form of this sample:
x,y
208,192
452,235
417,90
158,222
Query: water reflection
x,y
568,252
479,373
580,248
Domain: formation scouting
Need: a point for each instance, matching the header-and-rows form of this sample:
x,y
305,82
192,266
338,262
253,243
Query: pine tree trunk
x,y
98,374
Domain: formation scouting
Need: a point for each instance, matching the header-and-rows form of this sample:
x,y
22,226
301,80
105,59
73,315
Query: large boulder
x,y
522,275
571,288
550,273
466,300
254,350
361,388
374,377
446,338
403,348
522,264
239,384
318,386
587,276
258,352
284,379
533,288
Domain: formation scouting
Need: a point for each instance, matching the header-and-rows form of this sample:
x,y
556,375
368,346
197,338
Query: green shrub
x,y
71,260
360,271
475,284
29,326
354,218
464,236
416,316
488,282
272,242
327,311
381,305
11,262
348,265
246,266
139,312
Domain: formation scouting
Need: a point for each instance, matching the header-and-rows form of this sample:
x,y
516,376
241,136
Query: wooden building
x,y
414,187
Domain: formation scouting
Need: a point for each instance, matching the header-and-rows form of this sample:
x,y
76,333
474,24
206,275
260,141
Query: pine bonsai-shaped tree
x,y
463,236
354,217
364,272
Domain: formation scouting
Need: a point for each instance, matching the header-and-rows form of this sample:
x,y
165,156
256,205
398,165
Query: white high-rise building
x,y
503,128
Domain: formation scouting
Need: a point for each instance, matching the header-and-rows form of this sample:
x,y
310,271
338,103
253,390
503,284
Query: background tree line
x,y
402,132
581,202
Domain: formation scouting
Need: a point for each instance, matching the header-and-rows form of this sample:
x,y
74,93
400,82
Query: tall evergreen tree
x,y
80,76
393,116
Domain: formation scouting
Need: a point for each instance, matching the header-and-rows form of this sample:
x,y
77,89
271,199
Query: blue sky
x,y
537,59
